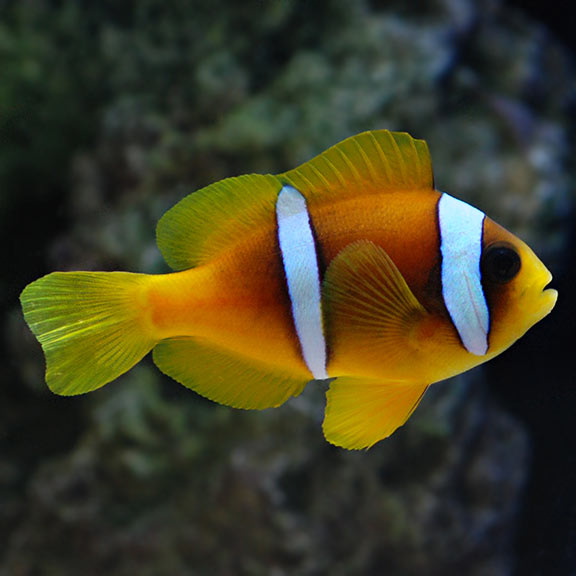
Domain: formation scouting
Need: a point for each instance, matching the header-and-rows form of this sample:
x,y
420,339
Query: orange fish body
x,y
351,266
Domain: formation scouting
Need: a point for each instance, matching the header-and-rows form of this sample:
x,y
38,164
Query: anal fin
x,y
224,376
361,412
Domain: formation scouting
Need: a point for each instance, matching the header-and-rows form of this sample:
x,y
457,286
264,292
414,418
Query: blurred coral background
x,y
110,112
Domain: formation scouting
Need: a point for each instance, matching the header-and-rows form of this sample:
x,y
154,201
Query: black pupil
x,y
502,263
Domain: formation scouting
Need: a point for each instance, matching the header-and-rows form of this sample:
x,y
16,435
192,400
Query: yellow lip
x,y
543,299
547,278
550,296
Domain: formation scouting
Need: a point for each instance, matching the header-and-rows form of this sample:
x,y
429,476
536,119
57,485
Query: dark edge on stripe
x,y
489,332
322,267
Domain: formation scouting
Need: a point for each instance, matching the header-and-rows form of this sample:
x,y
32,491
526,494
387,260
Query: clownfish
x,y
351,267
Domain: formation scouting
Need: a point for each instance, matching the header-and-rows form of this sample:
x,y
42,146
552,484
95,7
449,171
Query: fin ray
x,y
368,305
378,161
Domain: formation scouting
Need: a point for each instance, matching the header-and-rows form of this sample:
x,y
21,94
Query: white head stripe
x,y
461,247
301,268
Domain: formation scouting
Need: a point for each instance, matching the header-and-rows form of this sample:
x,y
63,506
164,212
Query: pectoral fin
x,y
361,412
372,316
374,324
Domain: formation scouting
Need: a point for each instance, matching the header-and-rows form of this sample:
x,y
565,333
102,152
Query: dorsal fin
x,y
213,218
378,161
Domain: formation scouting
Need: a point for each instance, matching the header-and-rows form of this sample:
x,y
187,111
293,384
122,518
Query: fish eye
x,y
500,263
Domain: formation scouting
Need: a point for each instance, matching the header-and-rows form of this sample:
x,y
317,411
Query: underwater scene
x,y
298,312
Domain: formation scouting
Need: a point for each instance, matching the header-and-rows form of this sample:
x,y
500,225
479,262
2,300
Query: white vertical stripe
x,y
301,268
461,247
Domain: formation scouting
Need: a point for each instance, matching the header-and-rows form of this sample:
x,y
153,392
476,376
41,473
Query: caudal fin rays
x,y
90,326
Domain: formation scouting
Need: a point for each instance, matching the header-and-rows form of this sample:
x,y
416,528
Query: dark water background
x,y
546,542
110,113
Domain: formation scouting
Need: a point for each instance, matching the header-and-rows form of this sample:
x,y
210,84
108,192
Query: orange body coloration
x,y
351,266
249,313
216,302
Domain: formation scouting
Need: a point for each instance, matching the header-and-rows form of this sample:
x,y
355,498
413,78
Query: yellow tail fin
x,y
91,326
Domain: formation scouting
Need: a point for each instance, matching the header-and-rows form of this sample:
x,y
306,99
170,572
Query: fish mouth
x,y
547,282
548,292
550,295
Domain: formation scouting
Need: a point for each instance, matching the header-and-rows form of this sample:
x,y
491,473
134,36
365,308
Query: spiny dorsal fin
x,y
375,162
214,218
